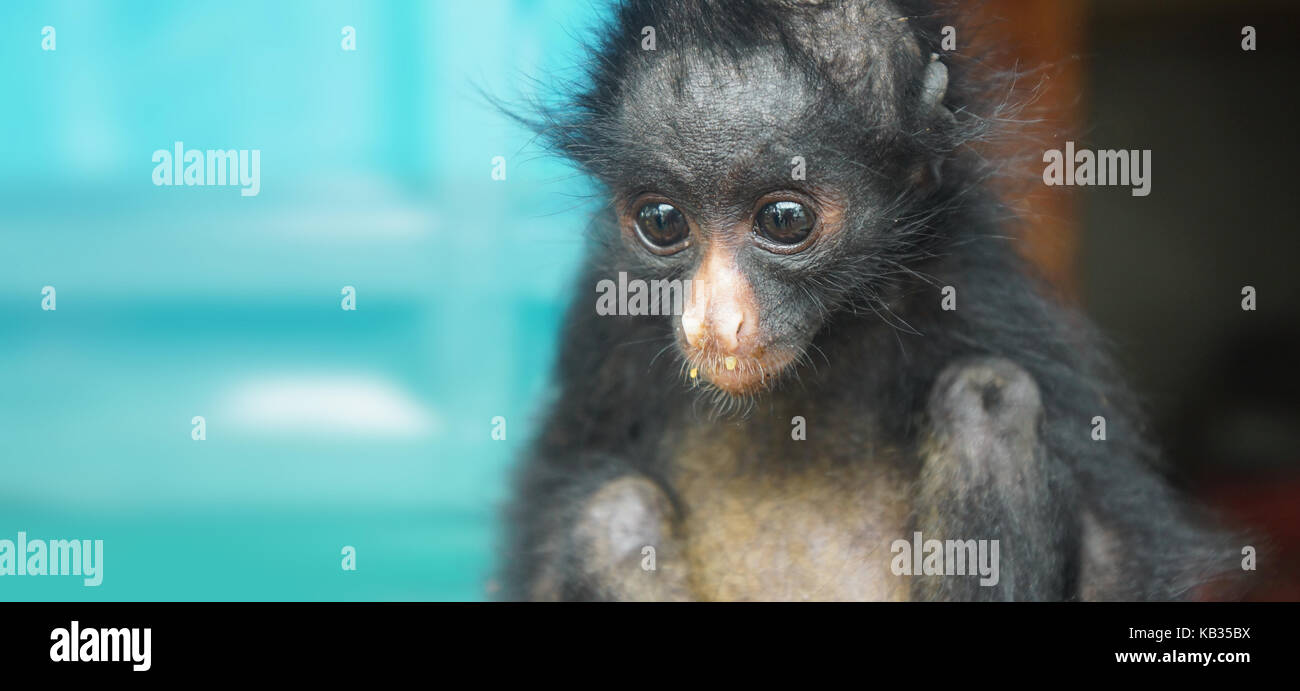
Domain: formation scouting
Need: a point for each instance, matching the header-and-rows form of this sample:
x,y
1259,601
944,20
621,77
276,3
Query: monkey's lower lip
x,y
739,375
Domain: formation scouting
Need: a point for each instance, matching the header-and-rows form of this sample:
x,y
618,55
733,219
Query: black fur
x,y
866,309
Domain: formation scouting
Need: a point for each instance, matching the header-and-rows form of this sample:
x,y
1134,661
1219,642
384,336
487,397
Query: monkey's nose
x,y
693,327
720,307
720,325
717,318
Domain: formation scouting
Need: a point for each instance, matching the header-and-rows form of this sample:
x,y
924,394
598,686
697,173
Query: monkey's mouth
x,y
738,375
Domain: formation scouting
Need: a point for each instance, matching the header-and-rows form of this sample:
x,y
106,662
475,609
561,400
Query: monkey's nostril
x,y
726,327
692,328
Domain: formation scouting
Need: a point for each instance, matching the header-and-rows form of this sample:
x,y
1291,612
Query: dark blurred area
x,y
1163,275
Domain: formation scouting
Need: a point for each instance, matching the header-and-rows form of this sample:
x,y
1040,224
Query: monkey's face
x,y
735,177
741,327
749,314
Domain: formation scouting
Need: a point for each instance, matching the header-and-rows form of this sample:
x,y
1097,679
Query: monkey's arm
x,y
608,536
986,475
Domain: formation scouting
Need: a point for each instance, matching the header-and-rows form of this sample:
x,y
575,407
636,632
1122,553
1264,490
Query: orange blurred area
x,y
1042,40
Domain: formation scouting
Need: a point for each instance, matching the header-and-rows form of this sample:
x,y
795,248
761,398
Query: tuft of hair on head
x,y
878,66
883,57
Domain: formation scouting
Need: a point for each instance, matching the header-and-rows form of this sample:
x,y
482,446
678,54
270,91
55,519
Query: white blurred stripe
x,y
326,406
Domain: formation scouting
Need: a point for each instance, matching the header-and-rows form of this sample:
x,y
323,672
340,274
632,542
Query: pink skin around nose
x,y
720,310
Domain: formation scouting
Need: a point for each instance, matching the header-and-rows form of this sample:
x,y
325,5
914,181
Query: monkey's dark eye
x,y
785,222
662,225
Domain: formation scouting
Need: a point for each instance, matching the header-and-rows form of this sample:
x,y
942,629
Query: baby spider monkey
x,y
807,166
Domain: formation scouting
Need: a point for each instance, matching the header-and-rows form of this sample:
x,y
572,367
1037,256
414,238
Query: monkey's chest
x,y
820,532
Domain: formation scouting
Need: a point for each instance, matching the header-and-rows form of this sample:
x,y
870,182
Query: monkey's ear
x,y
934,86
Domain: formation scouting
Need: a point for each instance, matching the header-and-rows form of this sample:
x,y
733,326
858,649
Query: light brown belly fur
x,y
760,529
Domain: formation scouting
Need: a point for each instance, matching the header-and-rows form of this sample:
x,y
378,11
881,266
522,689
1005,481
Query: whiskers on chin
x,y
715,401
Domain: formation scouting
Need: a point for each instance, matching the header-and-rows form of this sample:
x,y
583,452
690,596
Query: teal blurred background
x,y
325,427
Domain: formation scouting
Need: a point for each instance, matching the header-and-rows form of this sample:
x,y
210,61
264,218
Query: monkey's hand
x,y
625,545
984,414
986,476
